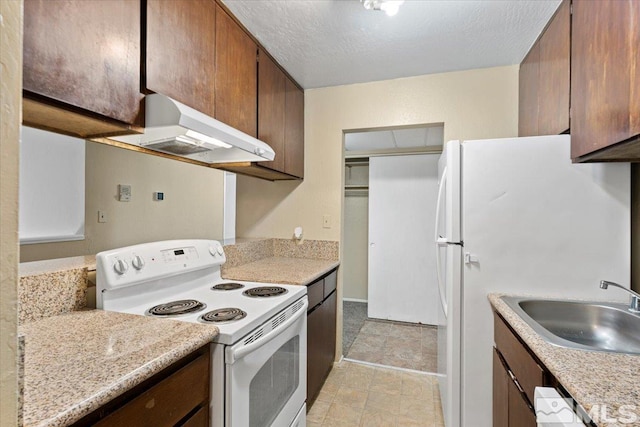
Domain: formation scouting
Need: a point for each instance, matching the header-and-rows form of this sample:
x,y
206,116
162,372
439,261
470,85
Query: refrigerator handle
x,y
440,241
443,179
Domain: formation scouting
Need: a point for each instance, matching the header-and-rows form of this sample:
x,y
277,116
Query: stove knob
x,y
121,266
220,250
212,251
137,262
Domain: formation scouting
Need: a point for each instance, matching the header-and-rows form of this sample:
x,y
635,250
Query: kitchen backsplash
x,y
49,288
250,250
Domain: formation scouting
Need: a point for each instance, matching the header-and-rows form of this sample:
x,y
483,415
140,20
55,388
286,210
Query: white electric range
x,y
258,359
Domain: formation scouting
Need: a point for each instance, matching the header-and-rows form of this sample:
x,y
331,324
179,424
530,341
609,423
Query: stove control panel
x,y
124,267
180,254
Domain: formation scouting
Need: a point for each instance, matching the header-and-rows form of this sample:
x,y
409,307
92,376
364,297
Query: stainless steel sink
x,y
594,326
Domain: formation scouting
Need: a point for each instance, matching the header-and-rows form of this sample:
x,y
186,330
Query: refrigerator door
x,y
534,224
449,337
449,267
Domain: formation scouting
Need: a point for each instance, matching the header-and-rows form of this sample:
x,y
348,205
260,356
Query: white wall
x,y
193,205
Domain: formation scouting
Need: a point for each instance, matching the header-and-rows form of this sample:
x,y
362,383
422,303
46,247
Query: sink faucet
x,y
634,305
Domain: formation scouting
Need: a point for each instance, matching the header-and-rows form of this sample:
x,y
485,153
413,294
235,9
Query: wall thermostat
x,y
158,196
124,192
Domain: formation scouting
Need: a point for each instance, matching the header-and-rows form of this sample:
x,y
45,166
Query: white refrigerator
x,y
516,216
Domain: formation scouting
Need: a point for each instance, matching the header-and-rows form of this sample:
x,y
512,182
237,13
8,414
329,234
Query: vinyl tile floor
x,y
403,345
357,395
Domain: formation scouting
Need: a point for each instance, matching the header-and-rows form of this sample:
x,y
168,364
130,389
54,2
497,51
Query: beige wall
x,y
10,112
472,104
355,254
193,205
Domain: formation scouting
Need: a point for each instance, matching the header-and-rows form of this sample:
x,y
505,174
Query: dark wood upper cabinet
x,y
528,93
553,83
236,75
82,57
180,51
544,79
271,108
294,130
605,80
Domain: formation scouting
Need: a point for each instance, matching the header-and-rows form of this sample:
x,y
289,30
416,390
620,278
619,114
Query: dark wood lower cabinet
x,y
321,333
501,381
176,396
516,374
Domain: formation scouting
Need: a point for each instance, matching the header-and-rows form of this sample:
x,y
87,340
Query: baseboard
x,y
355,300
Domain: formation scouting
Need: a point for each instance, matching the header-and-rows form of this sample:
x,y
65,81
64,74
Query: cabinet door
x,y
500,392
85,54
236,75
528,99
315,370
329,307
520,414
553,82
294,130
605,76
180,51
271,108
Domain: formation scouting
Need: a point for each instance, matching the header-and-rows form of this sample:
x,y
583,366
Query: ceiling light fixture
x,y
390,7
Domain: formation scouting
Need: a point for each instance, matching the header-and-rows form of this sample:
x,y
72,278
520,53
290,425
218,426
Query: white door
x,y
402,266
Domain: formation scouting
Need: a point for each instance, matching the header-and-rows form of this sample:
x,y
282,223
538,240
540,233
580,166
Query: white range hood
x,y
174,128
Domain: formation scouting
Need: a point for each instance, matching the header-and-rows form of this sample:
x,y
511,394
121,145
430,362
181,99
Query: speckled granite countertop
x,y
76,362
591,377
293,271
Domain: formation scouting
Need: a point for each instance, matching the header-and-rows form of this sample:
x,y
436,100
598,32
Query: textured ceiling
x,y
335,42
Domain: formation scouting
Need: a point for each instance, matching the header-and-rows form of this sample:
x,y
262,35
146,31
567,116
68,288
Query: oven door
x,y
267,371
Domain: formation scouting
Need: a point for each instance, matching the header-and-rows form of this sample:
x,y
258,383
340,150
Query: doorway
x,y
390,174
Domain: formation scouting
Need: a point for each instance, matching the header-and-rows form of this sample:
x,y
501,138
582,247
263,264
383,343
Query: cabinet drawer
x,y
330,283
169,401
315,293
526,370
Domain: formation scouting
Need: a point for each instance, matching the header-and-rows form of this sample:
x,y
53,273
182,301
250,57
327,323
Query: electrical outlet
x,y
102,216
326,221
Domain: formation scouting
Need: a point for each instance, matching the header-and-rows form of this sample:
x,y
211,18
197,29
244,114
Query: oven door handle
x,y
234,354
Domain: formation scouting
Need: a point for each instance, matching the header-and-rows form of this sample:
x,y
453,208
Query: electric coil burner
x,y
176,308
229,286
223,315
265,291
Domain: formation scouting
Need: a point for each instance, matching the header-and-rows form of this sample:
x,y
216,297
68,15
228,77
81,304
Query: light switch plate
x,y
326,221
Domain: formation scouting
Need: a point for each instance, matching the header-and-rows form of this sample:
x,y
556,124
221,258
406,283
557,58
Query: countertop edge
x,y
308,279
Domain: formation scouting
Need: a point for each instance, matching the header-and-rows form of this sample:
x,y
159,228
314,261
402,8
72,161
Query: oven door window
x,y
274,384
267,386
